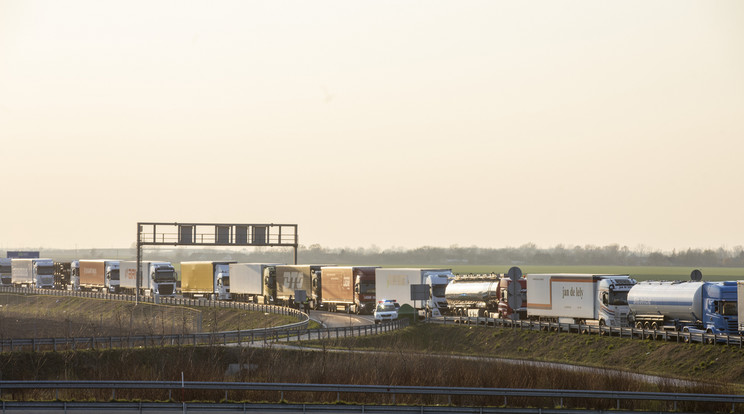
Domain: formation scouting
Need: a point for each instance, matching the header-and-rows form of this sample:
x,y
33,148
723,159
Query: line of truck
x,y
612,300
592,299
351,289
95,275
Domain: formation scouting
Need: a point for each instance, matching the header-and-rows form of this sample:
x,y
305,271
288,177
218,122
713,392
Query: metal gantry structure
x,y
213,234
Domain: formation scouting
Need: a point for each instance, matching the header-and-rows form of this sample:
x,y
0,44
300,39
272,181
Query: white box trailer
x,y
22,272
247,281
395,284
579,298
156,278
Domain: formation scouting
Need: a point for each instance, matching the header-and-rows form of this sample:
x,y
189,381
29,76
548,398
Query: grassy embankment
x,y
410,361
41,316
720,364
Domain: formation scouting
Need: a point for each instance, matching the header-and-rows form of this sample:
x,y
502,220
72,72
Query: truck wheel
x,y
655,328
686,337
601,327
639,326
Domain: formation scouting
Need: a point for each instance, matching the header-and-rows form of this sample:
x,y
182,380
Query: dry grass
x,y
38,316
272,365
714,364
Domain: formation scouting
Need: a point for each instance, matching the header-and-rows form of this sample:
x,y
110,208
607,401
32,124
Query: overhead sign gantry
x,y
213,234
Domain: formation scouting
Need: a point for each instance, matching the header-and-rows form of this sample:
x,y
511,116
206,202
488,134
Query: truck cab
x,y
437,304
317,289
163,277
512,303
74,276
44,273
6,272
269,277
612,301
720,308
364,292
222,281
112,276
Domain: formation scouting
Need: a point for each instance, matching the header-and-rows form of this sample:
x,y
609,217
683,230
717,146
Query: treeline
x,y
528,254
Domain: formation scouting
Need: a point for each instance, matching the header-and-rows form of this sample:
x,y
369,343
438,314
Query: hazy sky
x,y
387,123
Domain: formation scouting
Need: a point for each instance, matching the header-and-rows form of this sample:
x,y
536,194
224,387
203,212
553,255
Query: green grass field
x,y
637,272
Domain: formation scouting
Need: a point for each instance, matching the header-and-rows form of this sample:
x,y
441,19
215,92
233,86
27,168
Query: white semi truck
x,y
579,298
35,273
157,278
395,284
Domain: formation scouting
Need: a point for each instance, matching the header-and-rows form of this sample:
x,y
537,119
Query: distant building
x,y
22,255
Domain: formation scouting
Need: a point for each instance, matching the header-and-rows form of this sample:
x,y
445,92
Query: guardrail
x,y
293,332
162,300
386,390
676,336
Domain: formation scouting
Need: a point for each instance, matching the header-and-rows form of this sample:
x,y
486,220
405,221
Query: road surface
x,y
337,320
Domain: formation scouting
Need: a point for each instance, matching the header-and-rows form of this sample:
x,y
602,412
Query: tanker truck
x,y
35,273
157,278
487,296
206,279
579,298
694,306
395,284
350,288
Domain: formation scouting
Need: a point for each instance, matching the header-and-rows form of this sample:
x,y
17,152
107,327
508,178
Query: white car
x,y
386,311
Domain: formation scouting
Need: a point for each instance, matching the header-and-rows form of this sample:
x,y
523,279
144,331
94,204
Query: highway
x,y
338,320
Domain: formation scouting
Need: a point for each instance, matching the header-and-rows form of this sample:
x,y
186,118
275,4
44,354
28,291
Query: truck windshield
x,y
619,298
44,270
164,276
728,308
5,269
438,290
115,274
225,280
367,288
